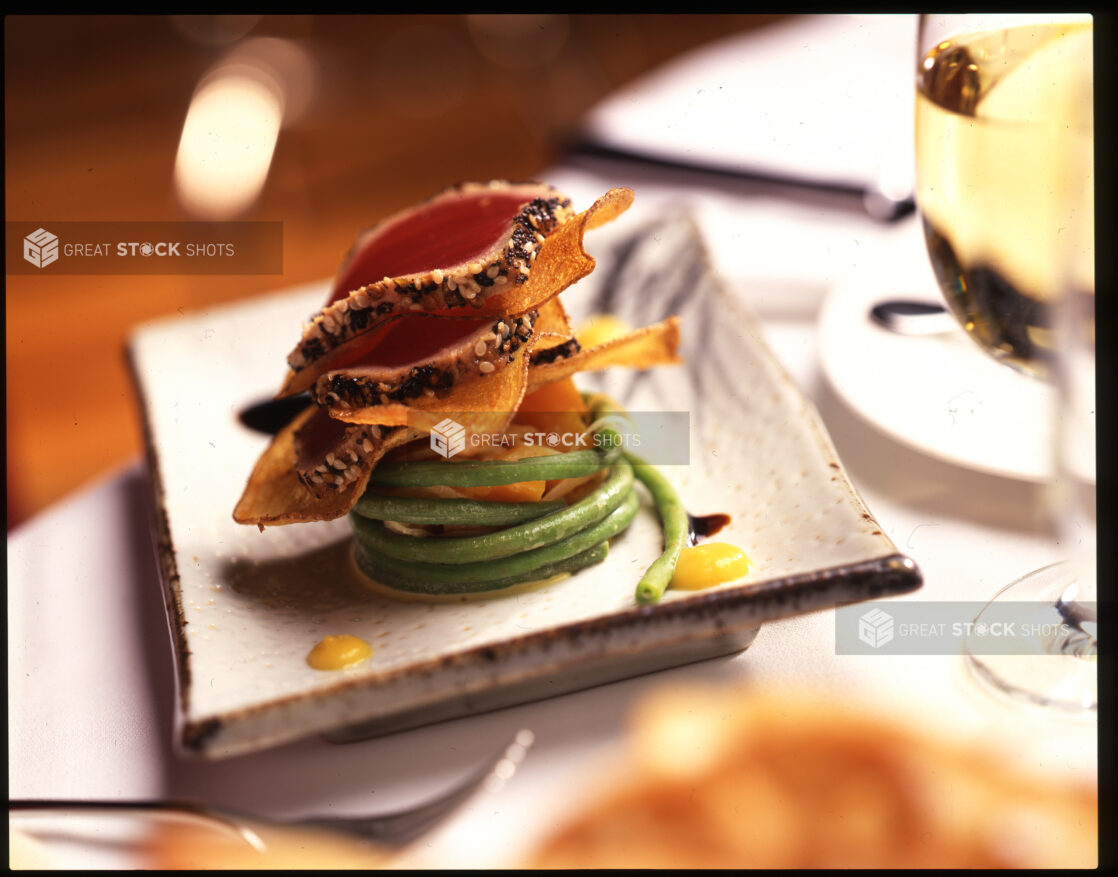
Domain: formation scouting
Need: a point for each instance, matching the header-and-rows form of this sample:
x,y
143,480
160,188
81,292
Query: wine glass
x,y
1004,165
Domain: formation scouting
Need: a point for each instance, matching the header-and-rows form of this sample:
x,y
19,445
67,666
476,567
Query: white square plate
x,y
245,606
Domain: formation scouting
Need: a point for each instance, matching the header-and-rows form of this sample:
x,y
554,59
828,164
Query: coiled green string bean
x,y
676,525
538,540
490,473
384,577
673,516
537,564
510,541
482,513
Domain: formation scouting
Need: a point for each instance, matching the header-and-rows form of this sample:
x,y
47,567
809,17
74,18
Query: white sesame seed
x,y
486,367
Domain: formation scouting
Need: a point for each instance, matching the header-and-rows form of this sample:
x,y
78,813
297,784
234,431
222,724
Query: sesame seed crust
x,y
480,354
559,351
342,464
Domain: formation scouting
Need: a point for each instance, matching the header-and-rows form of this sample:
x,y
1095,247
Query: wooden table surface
x,y
399,106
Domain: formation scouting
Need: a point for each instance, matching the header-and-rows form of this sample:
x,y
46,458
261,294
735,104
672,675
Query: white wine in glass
x,y
1004,166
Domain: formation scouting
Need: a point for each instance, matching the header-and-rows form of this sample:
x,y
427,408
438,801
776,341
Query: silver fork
x,y
390,830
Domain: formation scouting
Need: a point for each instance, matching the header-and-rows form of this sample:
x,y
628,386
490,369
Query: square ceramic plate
x,y
245,606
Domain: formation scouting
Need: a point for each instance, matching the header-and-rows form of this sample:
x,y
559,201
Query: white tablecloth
x,y
91,687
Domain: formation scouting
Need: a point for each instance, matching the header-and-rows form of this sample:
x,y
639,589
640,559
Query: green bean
x,y
489,473
420,510
571,564
453,550
673,516
538,540
539,563
677,530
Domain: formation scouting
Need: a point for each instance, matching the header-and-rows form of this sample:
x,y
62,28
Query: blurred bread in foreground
x,y
729,780
25,853
256,846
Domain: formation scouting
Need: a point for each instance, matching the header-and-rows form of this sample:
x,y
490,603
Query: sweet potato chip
x,y
481,405
274,494
552,327
657,344
563,259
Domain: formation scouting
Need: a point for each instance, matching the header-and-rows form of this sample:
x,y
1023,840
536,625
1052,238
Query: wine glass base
x,y
1056,667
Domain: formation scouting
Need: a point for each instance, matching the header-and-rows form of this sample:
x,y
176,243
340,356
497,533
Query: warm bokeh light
x,y
520,42
214,30
227,142
288,65
233,124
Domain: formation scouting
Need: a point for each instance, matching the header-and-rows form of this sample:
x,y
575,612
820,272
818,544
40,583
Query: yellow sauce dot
x,y
601,328
709,564
338,652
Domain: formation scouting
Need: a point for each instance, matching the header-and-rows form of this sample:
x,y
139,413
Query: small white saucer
x,y
940,394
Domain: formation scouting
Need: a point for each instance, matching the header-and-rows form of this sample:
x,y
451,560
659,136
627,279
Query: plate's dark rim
x,y
750,604
163,545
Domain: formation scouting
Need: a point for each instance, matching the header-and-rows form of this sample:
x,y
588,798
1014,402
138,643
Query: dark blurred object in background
x,y
341,120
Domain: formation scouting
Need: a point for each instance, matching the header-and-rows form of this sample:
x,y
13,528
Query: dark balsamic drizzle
x,y
271,415
701,526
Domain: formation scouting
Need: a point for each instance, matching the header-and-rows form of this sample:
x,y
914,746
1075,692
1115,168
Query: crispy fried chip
x,y
553,326
274,494
657,344
563,259
481,405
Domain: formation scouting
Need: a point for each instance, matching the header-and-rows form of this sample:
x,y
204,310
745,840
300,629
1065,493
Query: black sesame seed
x,y
358,319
